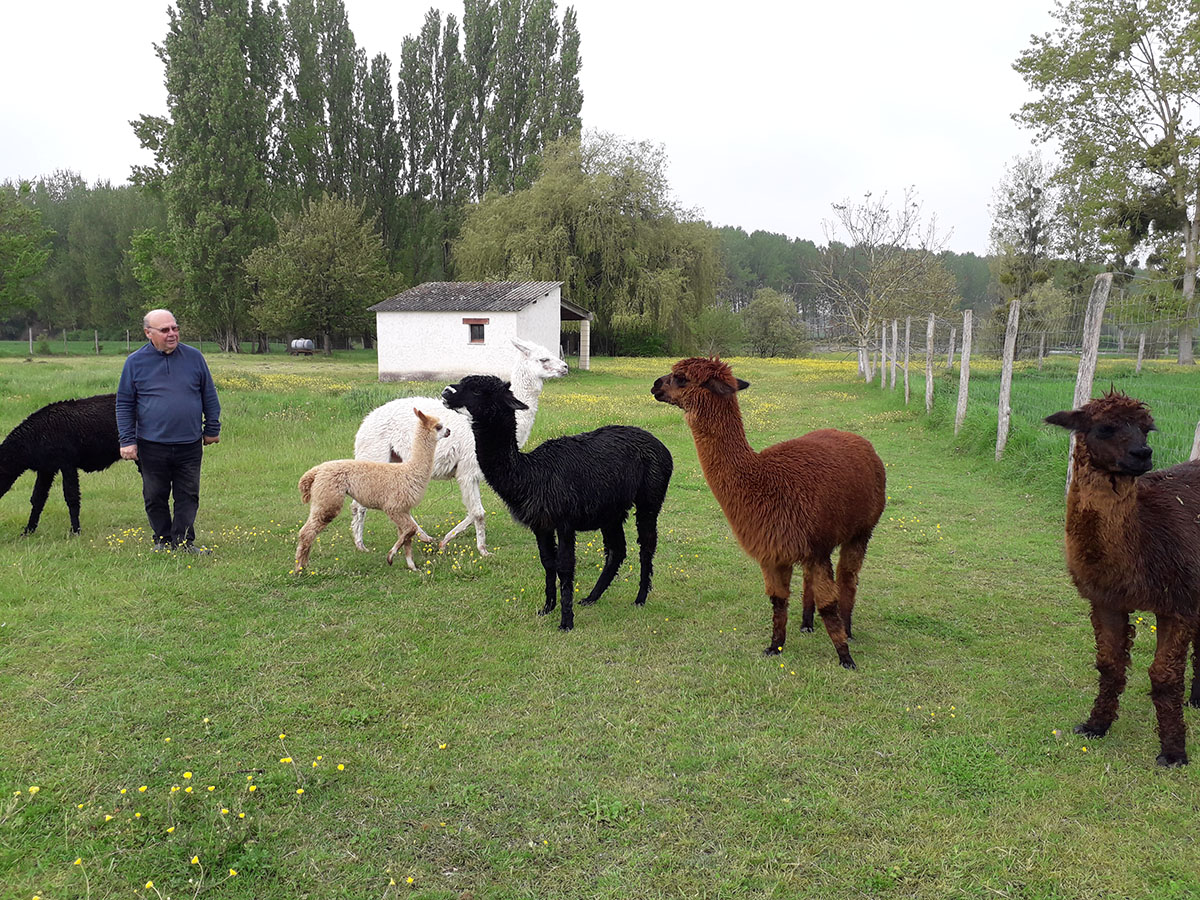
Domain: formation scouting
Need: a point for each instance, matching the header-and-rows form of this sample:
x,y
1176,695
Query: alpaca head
x,y
538,361
482,397
1112,430
693,381
431,425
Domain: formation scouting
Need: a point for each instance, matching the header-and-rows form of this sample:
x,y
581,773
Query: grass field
x,y
362,731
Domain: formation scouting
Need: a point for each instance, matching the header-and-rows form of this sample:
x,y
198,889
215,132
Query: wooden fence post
x,y
883,356
895,349
66,349
31,340
1141,353
964,372
950,353
1093,320
907,343
1004,416
96,340
929,365
1041,350
1196,444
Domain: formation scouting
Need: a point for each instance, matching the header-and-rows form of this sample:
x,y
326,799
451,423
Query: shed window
x,y
475,330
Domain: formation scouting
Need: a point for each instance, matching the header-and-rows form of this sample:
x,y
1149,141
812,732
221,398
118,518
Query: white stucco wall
x,y
432,346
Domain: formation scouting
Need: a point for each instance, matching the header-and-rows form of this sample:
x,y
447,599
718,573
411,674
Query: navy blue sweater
x,y
166,397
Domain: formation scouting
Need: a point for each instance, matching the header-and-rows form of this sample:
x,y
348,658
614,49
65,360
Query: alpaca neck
x,y
420,458
526,387
1102,510
725,454
496,451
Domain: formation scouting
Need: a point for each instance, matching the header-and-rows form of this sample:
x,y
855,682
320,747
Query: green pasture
x,y
361,731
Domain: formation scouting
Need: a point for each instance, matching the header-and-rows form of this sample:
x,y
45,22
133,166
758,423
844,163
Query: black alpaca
x,y
61,437
581,482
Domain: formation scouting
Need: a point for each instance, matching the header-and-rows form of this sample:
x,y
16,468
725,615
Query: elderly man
x,y
167,410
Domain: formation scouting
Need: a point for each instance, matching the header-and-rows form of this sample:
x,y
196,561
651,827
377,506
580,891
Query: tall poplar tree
x,y
223,70
479,43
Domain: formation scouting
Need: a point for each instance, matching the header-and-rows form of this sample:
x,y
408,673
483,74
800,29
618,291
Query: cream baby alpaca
x,y
394,488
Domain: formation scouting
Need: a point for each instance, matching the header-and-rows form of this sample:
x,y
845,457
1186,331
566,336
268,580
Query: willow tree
x,y
1120,92
600,218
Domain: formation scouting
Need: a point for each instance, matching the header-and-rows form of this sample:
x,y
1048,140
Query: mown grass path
x,y
431,727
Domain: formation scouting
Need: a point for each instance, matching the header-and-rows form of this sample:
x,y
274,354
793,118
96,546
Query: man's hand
x,y
129,452
211,439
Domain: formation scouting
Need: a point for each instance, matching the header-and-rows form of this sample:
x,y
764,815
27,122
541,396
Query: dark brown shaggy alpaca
x,y
1133,543
794,502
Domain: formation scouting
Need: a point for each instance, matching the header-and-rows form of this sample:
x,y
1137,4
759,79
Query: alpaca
x,y
1133,543
387,431
65,436
393,488
793,502
581,482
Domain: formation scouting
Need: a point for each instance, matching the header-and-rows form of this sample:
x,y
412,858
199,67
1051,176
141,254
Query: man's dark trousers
x,y
167,469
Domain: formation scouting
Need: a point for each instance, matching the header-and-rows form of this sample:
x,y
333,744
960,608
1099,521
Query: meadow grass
x,y
363,731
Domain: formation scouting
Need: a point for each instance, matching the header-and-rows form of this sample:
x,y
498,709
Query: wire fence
x,y
1009,374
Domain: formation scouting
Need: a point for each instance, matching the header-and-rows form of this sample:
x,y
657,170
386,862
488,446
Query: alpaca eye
x,y
1104,432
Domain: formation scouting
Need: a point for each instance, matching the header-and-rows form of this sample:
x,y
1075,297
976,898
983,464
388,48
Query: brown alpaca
x,y
1133,543
793,502
394,488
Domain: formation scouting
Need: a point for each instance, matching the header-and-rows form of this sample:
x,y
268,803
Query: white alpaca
x,y
386,434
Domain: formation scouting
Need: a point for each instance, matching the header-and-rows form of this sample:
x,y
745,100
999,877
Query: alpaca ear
x,y
514,403
722,388
1070,419
420,415
524,346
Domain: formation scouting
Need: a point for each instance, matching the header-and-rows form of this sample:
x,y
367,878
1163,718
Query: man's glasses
x,y
166,330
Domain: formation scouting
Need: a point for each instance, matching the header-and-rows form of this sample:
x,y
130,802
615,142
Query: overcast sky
x,y
769,110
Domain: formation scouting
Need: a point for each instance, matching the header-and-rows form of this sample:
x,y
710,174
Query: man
x,y
167,410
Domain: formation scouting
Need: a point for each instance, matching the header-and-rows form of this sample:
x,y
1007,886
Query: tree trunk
x,y
1192,237
327,343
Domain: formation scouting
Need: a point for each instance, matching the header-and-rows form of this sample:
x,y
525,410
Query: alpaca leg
x,y
566,577
1114,639
826,591
358,520
548,553
473,503
1194,700
317,520
614,555
406,529
810,604
70,486
41,490
647,532
778,580
1166,687
850,561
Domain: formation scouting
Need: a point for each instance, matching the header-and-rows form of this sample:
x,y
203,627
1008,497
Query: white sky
x,y
769,110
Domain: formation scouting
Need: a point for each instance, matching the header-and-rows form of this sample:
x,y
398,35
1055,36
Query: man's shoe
x,y
193,549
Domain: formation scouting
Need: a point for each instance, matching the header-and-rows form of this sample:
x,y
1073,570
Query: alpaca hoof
x,y
358,545
773,650
640,601
483,551
848,663
1093,731
1194,701
1172,760
546,610
426,539
806,629
566,626
588,601
389,559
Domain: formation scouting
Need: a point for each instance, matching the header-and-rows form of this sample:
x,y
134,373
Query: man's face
x,y
163,332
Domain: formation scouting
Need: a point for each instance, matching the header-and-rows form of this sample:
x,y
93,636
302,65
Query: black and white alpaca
x,y
581,482
61,437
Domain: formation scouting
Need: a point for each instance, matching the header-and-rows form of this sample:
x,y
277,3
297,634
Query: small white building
x,y
447,329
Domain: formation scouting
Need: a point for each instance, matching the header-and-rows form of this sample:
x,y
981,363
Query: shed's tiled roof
x,y
472,296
